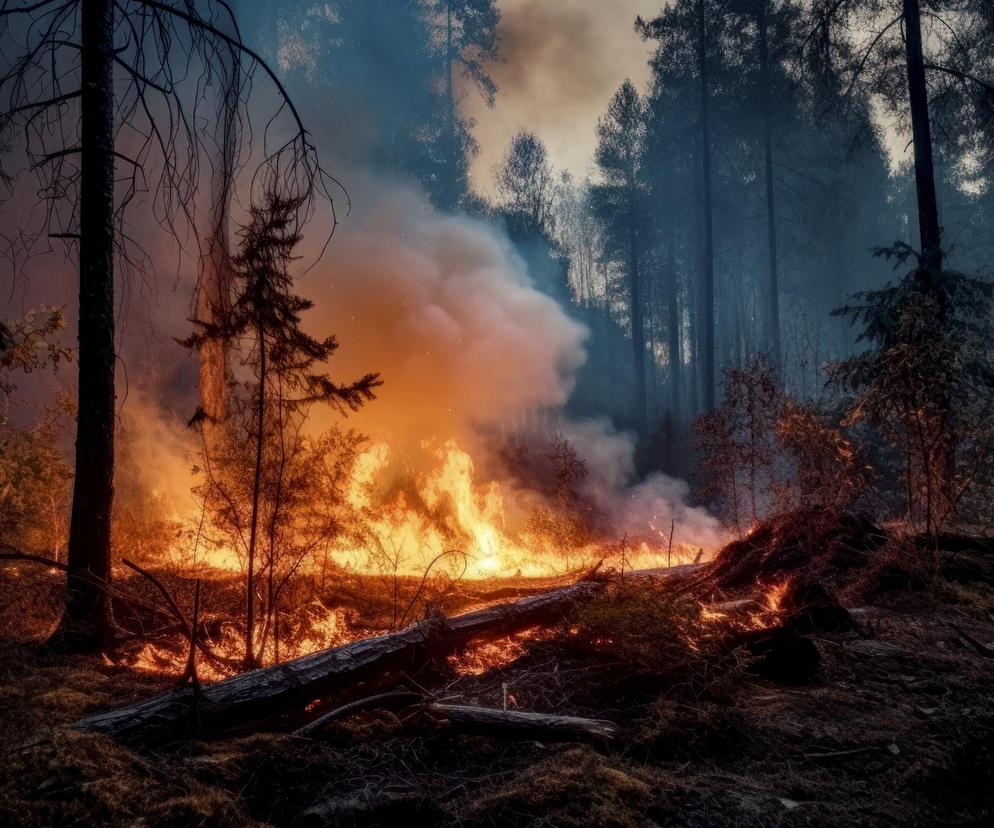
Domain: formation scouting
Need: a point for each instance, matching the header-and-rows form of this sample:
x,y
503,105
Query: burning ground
x,y
808,675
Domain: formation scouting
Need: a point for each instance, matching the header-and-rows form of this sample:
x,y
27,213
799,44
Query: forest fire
x,y
446,519
369,458
475,522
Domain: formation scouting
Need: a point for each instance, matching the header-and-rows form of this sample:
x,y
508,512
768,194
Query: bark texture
x,y
86,623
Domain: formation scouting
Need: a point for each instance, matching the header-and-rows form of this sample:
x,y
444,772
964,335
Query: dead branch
x,y
518,724
388,699
38,559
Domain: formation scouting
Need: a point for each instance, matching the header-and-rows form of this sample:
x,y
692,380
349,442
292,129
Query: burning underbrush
x,y
797,698
358,537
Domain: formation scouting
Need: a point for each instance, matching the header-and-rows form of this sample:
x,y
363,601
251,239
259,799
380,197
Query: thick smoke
x,y
561,62
444,309
647,508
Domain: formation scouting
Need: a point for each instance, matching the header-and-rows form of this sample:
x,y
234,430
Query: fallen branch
x,y
380,700
294,684
38,559
518,724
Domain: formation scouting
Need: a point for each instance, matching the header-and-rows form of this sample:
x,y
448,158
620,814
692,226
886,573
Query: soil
x,y
800,695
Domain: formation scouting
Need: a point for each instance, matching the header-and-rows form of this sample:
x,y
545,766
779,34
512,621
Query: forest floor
x,y
732,712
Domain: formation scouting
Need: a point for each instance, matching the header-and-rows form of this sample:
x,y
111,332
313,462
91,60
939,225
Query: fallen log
x,y
294,684
518,724
262,692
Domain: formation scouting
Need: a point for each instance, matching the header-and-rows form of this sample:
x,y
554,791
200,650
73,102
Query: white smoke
x,y
633,508
443,307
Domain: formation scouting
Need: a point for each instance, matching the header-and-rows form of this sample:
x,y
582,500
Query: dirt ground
x,y
882,715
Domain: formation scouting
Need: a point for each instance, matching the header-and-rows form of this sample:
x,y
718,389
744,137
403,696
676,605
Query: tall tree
x,y
619,200
524,179
763,31
469,40
213,288
72,136
921,128
87,616
689,29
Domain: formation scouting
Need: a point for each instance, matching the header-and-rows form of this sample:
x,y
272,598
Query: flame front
x,y
463,526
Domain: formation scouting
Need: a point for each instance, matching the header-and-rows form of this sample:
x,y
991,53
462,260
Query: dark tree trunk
x,y
449,194
213,298
86,623
928,225
250,659
674,331
773,308
928,210
707,300
636,310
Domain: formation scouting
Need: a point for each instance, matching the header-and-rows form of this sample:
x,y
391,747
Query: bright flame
x,y
774,597
445,520
465,522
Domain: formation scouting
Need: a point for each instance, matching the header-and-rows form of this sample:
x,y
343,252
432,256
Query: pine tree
x,y
263,322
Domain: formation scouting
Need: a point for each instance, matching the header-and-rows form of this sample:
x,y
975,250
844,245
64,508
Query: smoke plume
x,y
444,309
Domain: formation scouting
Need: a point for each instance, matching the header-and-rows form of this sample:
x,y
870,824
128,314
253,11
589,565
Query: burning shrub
x,y
924,382
820,541
828,467
34,477
548,463
30,343
657,639
900,566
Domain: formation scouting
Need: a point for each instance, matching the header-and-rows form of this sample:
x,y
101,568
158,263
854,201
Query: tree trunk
x,y
928,227
86,623
707,300
675,331
250,659
449,197
928,211
638,323
773,307
213,295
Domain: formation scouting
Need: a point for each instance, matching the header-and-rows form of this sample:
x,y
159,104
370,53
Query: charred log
x,y
259,693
